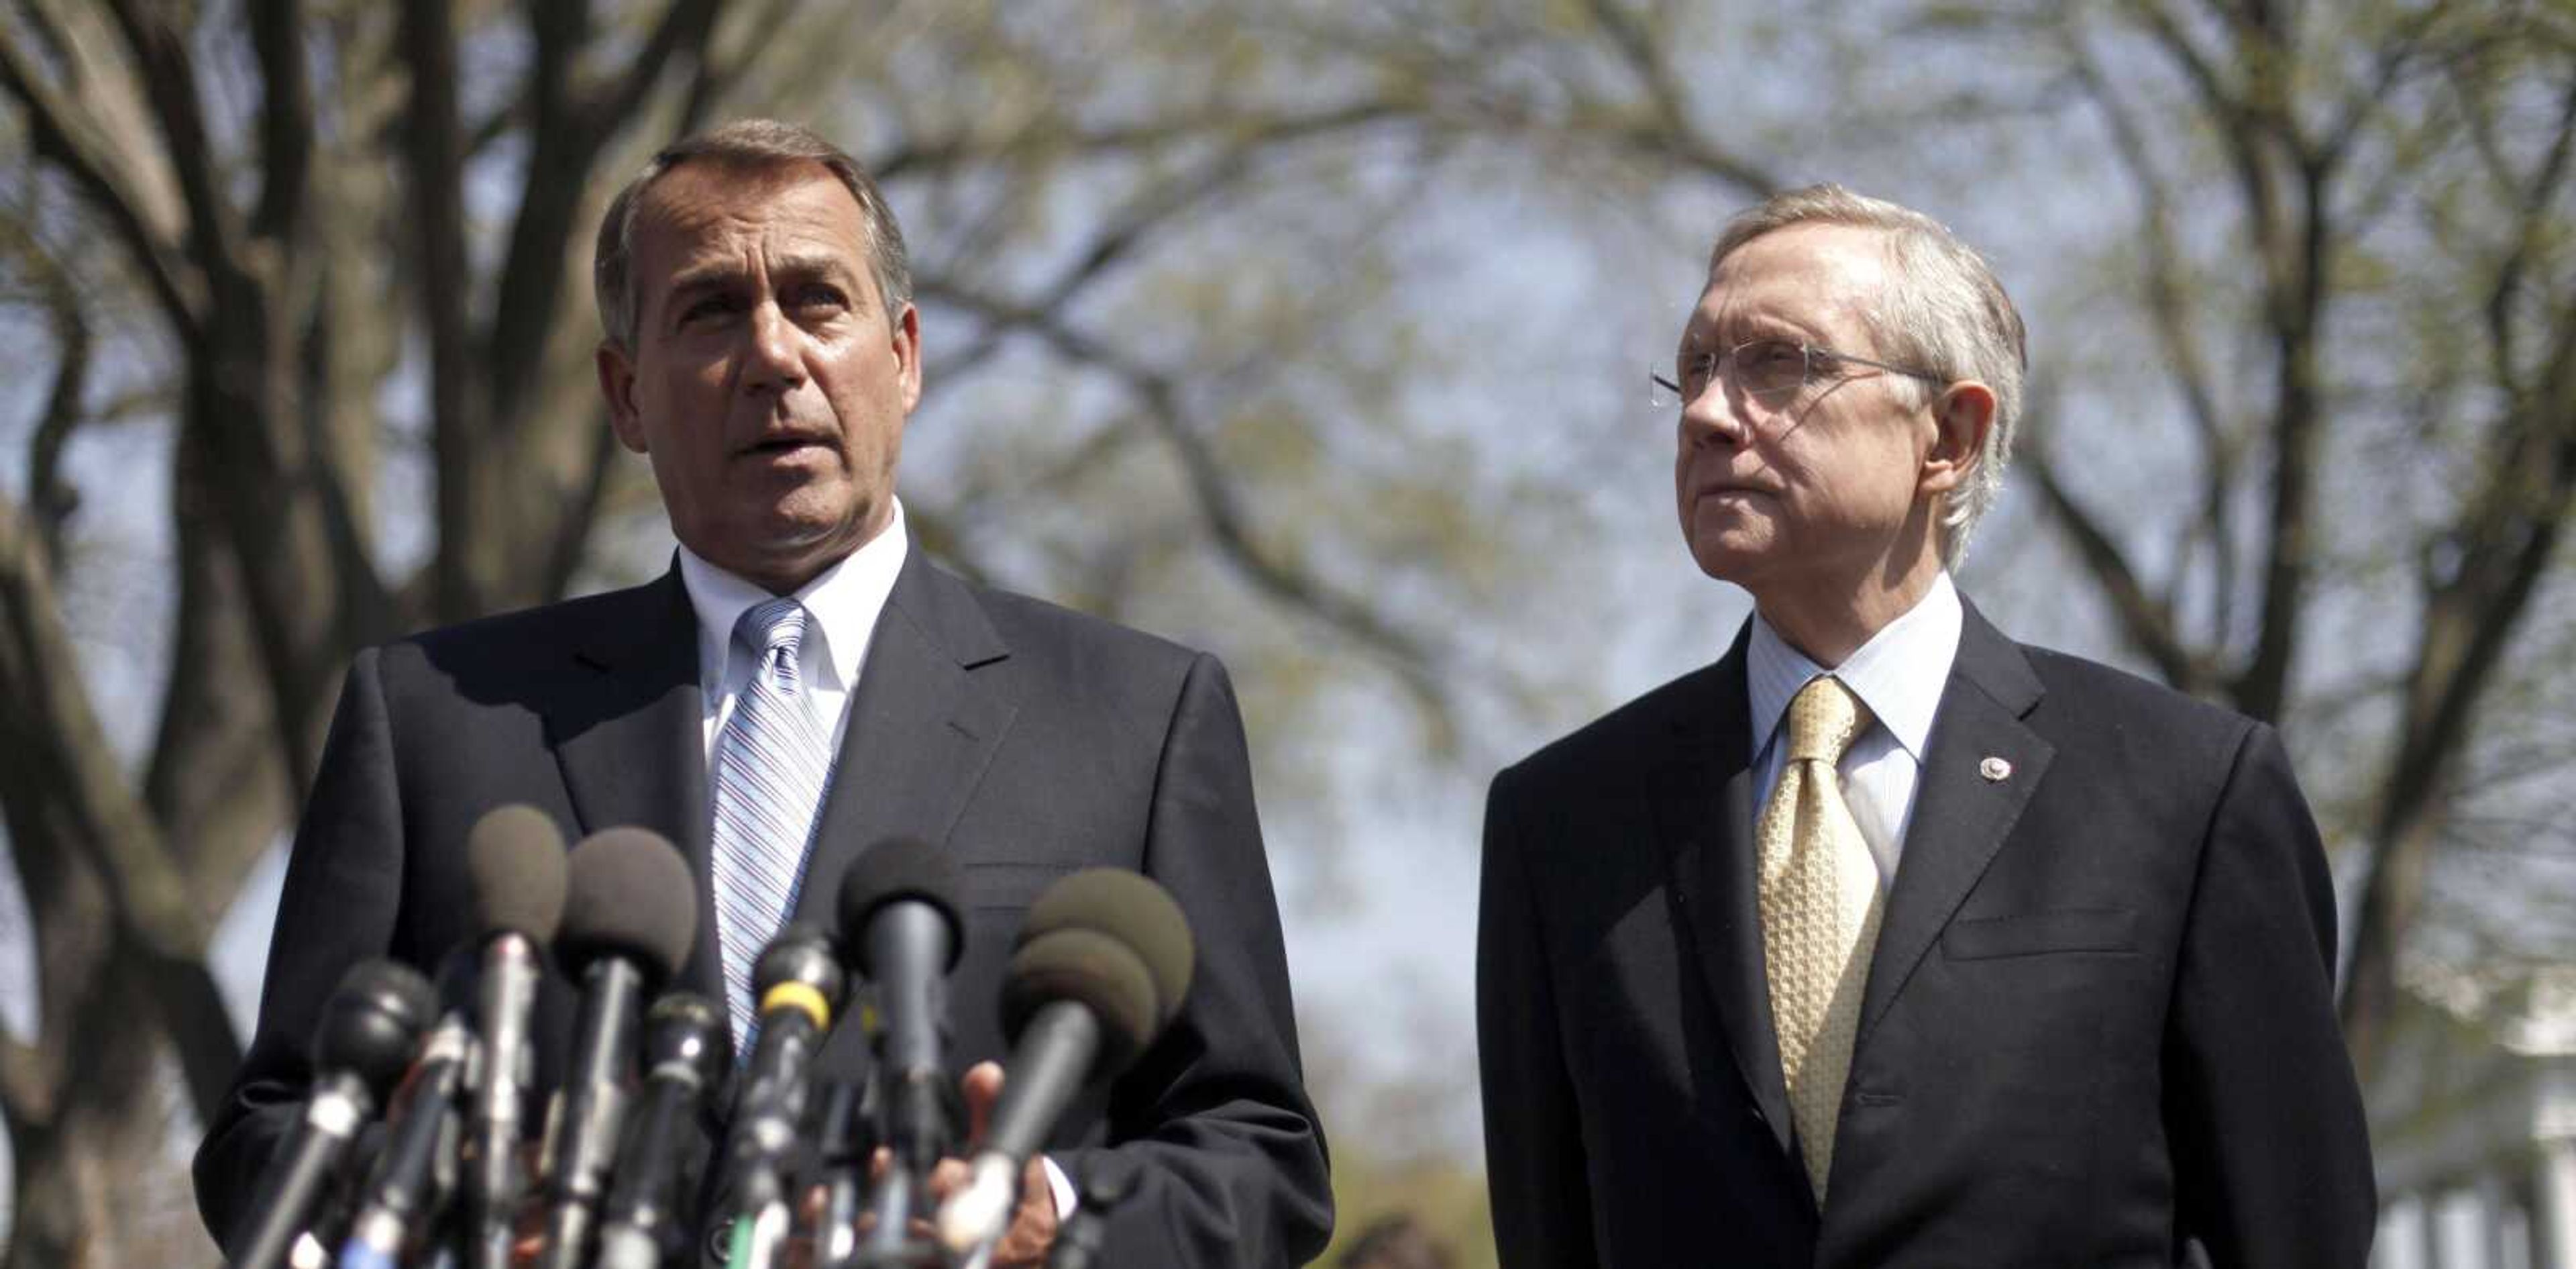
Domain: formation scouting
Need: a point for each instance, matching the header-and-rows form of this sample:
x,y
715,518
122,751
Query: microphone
x,y
406,1186
799,982
682,1054
898,911
630,913
514,859
1102,965
846,1139
370,1026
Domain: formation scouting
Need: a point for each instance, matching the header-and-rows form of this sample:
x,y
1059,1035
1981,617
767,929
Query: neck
x,y
1827,621
787,571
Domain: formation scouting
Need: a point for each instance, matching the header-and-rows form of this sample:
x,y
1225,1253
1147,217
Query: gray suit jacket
x,y
1027,740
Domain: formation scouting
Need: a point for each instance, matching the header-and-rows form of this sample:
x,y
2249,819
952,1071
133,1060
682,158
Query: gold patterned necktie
x,y
1820,910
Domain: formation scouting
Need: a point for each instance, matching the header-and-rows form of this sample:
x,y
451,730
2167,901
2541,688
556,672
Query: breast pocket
x,y
2097,930
998,886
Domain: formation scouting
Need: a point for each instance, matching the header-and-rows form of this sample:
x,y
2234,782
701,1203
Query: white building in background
x,y
2473,1123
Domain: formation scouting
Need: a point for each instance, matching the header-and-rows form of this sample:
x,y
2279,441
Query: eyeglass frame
x,y
1807,354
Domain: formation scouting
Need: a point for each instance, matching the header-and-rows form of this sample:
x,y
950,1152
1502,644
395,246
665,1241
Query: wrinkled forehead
x,y
1814,282
714,208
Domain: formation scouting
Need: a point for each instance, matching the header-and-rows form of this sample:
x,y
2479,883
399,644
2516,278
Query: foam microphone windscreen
x,y
1096,971
899,868
1130,908
514,860
627,893
373,1021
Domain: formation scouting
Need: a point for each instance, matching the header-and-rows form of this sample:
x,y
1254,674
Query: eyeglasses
x,y
1767,370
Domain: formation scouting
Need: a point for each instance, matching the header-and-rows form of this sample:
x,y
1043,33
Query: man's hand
x,y
1033,1223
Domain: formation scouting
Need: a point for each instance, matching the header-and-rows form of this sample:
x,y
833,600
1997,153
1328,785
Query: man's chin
x,y
1730,557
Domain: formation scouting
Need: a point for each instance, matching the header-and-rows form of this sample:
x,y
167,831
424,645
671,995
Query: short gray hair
x,y
751,143
1944,313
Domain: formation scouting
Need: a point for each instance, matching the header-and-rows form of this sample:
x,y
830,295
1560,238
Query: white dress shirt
x,y
1899,674
842,604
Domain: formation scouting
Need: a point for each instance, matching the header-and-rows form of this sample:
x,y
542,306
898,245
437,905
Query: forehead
x,y
1819,278
707,212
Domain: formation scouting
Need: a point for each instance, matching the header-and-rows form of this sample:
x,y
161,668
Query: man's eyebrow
x,y
812,265
1737,327
801,266
701,276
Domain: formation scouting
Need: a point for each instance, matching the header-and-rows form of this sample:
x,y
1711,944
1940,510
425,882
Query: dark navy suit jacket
x,y
1026,740
2098,1027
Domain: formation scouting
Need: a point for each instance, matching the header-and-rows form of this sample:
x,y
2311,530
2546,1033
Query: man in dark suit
x,y
763,353
1886,940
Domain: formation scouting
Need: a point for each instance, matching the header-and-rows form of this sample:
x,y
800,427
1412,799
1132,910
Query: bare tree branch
x,y
2145,623
569,132
1234,126
2162,281
52,499
1219,503
169,76
435,163
285,118
2478,593
1670,132
2533,201
61,137
572,540
2289,551
71,792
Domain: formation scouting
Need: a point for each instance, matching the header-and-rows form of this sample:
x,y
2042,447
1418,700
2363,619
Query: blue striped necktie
x,y
773,761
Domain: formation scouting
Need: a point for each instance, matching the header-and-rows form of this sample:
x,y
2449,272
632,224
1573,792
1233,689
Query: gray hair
x,y
1944,312
752,143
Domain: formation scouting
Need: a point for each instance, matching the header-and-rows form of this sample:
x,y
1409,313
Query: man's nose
x,y
774,362
1715,417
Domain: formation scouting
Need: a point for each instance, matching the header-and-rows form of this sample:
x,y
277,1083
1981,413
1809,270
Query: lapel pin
x,y
1994,768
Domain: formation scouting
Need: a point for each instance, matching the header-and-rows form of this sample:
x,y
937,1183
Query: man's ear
x,y
1961,417
617,388
907,354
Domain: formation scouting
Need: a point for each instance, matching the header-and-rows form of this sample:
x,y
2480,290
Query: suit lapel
x,y
1964,806
1704,805
922,729
628,733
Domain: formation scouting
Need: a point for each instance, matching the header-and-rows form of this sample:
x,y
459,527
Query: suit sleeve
x,y
343,880
1534,1159
1212,1131
2271,1151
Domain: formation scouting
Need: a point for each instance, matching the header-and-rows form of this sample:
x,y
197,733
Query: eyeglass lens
x,y
1766,368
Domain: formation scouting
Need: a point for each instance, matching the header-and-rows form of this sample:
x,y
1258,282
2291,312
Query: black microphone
x,y
846,1138
514,858
799,983
407,1186
1103,964
630,913
683,1053
370,1026
898,912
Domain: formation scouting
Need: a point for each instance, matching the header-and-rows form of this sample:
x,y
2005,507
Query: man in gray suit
x,y
762,351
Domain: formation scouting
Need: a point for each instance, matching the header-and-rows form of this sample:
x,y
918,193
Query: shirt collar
x,y
842,605
1899,674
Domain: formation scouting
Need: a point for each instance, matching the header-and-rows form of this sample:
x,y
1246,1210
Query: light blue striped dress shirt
x,y
1899,674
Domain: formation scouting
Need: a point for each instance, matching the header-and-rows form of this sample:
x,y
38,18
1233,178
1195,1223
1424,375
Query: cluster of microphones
x,y
461,1170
